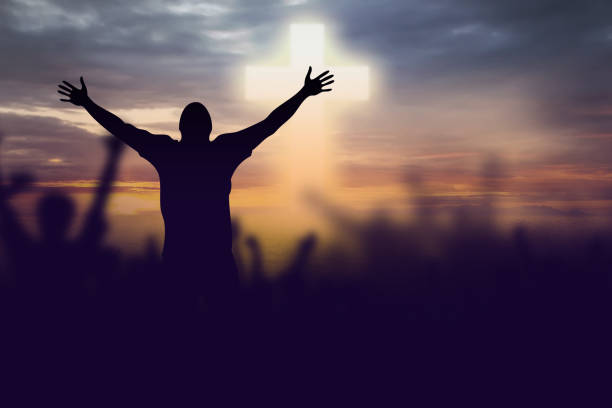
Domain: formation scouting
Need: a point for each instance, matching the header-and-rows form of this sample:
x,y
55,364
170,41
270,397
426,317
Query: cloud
x,y
529,79
157,51
48,147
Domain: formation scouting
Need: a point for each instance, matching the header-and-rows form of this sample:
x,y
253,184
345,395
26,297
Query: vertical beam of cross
x,y
306,163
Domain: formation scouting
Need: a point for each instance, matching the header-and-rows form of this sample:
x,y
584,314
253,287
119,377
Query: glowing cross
x,y
306,163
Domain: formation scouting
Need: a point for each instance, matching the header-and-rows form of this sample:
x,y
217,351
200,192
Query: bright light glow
x,y
305,162
307,45
307,48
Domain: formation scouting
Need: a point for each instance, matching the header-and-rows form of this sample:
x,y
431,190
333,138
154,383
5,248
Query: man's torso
x,y
195,183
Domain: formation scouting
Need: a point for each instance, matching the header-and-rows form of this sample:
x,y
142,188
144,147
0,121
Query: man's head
x,y
195,124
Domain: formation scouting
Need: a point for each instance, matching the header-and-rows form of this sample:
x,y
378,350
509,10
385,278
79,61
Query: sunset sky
x,y
462,92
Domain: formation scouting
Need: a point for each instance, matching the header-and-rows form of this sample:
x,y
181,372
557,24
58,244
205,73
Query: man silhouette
x,y
195,181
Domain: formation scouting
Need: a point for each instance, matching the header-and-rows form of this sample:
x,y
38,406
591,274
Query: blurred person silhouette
x,y
296,269
54,268
195,182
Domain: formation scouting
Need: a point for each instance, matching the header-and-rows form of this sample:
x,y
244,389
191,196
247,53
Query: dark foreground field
x,y
485,312
409,309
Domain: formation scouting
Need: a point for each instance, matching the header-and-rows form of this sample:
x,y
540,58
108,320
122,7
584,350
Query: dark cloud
x,y
154,51
558,51
159,51
55,150
167,53
49,147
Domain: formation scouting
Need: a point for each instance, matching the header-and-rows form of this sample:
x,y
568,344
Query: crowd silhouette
x,y
517,298
441,302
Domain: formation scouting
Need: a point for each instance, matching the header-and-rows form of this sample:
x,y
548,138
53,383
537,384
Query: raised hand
x,y
113,145
18,182
314,86
75,96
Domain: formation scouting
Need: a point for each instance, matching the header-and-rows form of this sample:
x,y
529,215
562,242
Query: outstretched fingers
x,y
72,87
321,75
65,91
315,85
75,95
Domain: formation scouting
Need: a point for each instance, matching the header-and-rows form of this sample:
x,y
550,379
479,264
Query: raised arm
x,y
131,135
11,230
256,134
94,226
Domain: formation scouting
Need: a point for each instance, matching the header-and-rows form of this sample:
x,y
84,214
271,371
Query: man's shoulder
x,y
131,129
160,142
233,145
161,138
156,144
230,140
222,139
